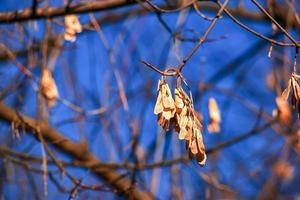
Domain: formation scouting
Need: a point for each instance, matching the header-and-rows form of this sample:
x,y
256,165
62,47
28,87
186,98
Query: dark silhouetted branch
x,y
79,151
43,13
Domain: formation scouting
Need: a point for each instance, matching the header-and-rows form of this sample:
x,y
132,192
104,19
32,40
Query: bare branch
x,y
77,150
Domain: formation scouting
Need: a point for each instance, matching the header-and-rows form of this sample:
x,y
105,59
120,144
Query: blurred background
x,y
100,139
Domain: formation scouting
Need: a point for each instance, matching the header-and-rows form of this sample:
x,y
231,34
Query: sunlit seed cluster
x,y
293,90
48,87
181,114
72,27
165,105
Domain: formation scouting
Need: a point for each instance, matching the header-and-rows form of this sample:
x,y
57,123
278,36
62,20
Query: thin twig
x,y
272,41
276,23
201,40
241,137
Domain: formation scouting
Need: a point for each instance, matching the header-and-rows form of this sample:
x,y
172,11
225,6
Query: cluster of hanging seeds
x,y
181,114
165,105
293,90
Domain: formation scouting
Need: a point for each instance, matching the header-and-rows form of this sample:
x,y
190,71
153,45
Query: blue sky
x,y
85,77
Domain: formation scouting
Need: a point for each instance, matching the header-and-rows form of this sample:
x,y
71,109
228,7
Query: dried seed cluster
x,y
182,115
165,105
214,115
283,111
293,90
283,170
48,87
72,26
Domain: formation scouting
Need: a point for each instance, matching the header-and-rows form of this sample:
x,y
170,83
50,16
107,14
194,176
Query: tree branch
x,y
42,13
79,151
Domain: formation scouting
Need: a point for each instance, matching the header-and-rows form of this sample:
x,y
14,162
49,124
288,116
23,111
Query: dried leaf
x,y
72,26
214,114
284,113
284,170
48,87
271,81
